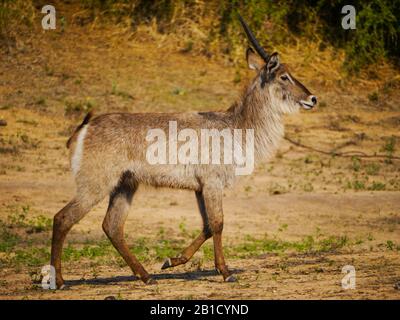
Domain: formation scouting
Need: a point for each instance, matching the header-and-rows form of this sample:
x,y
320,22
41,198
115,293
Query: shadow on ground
x,y
188,276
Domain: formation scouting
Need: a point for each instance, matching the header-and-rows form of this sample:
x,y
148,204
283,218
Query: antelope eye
x,y
284,77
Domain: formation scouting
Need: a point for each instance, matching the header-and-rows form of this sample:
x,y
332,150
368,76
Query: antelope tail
x,y
84,122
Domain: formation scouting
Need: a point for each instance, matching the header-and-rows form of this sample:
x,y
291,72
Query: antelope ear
x,y
253,60
273,63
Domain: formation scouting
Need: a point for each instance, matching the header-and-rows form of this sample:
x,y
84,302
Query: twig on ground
x,y
347,154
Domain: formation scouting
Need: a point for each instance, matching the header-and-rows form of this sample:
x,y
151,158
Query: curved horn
x,y
260,50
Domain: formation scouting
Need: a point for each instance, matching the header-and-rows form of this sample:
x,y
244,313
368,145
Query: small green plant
x,y
123,94
308,187
40,101
179,91
283,227
356,185
373,97
17,218
237,78
372,169
276,188
182,228
389,149
36,276
356,163
165,249
120,297
377,186
390,244
89,251
37,224
31,256
308,159
78,107
8,239
141,249
188,47
27,142
254,247
161,232
208,252
48,70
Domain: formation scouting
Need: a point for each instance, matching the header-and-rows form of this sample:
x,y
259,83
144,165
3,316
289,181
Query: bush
x,y
14,15
212,26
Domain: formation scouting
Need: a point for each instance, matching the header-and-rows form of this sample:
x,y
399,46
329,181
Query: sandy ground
x,y
49,81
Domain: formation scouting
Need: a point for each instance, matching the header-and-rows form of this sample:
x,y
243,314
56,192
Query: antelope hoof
x,y
231,278
60,285
150,281
167,264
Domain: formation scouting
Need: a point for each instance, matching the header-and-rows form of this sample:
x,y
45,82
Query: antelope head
x,y
274,80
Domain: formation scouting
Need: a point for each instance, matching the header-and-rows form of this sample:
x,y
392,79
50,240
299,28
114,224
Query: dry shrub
x,y
16,16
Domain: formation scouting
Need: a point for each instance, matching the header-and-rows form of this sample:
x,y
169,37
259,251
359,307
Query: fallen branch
x,y
347,154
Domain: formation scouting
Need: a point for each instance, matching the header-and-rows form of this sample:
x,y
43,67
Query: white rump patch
x,y
77,156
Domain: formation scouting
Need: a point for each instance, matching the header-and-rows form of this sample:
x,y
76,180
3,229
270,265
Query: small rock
x,y
3,122
397,285
110,298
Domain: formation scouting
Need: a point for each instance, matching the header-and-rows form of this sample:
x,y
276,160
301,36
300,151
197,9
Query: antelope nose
x,y
314,100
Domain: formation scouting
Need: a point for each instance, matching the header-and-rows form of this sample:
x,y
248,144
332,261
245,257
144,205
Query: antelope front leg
x,y
187,253
213,205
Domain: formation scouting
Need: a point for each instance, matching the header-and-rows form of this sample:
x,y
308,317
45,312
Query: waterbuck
x,y
108,157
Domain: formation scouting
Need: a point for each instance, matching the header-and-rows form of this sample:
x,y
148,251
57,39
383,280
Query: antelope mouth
x,y
306,105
